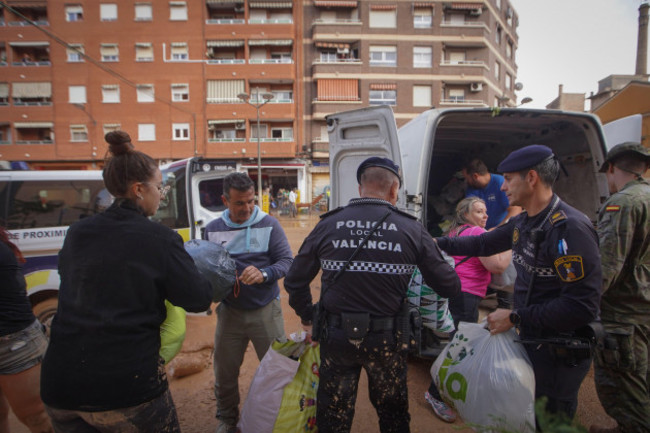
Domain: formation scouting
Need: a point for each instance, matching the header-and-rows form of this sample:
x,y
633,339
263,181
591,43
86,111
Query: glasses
x,y
162,190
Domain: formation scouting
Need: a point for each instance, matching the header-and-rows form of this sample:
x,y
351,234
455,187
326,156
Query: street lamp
x,y
526,100
266,97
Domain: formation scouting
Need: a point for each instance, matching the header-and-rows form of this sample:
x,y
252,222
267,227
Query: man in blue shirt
x,y
487,186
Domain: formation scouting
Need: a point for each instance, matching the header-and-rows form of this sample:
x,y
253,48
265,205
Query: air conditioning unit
x,y
476,12
240,125
476,87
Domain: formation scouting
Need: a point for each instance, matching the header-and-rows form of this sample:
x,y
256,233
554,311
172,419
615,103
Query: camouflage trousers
x,y
622,374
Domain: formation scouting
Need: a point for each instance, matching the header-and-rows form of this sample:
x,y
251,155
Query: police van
x,y
37,207
431,150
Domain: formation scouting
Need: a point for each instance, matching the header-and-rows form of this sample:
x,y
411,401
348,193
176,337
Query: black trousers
x,y
558,379
341,363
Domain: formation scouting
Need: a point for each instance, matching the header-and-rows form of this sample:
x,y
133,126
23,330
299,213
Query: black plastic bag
x,y
215,264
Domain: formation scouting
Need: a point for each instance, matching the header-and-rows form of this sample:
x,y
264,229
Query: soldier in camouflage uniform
x,y
622,366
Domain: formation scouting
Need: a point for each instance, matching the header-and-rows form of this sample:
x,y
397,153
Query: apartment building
x,y
172,74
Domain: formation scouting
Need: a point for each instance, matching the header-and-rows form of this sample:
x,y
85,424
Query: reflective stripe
x,y
374,267
541,272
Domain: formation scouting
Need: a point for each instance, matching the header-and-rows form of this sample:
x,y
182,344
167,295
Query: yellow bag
x,y
172,332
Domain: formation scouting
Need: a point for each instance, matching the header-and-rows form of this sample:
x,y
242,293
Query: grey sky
x,y
574,43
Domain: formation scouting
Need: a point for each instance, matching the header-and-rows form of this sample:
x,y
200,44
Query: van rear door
x,y
354,136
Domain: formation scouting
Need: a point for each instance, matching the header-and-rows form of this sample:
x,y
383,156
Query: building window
x,y
386,19
109,53
422,96
110,127
508,82
497,35
422,57
181,131
143,12
456,95
74,13
282,96
143,52
497,70
77,94
78,133
179,51
146,131
180,92
145,93
108,11
337,90
177,11
74,53
282,134
281,57
422,18
381,55
509,49
263,131
456,58
498,3
111,94
382,97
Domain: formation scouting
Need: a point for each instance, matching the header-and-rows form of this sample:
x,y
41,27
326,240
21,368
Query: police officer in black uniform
x,y
362,302
557,290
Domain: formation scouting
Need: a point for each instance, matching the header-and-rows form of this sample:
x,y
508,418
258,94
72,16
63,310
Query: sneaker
x,y
440,408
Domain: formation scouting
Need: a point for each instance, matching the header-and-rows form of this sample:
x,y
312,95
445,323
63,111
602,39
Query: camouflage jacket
x,y
624,233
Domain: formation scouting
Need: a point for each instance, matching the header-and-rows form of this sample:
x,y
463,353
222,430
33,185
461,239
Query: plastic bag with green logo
x,y
487,378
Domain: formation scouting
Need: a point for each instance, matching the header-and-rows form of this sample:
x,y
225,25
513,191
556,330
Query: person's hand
x,y
251,275
308,327
499,321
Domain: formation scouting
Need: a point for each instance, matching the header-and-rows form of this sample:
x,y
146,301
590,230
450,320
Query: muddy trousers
x,y
155,416
623,376
341,364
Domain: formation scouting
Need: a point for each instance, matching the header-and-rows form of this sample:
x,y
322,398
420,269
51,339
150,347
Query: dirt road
x,y
196,404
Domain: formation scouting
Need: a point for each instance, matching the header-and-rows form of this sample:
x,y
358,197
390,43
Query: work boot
x,y
598,429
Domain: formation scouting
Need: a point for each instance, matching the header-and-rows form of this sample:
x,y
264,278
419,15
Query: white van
x,y
37,207
432,148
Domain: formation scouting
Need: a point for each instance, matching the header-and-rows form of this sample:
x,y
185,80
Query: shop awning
x,y
276,42
178,44
31,90
111,125
223,1
423,5
143,44
226,43
466,6
335,4
383,7
33,125
27,4
110,86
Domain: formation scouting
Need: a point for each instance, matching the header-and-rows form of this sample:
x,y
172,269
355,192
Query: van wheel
x,y
45,311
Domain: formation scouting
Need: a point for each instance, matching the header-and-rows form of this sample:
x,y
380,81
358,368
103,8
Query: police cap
x,y
524,158
636,149
375,161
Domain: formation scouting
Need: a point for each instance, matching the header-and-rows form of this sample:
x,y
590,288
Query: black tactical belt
x,y
377,324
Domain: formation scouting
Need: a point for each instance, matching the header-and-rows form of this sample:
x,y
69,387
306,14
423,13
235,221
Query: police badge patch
x,y
570,268
515,236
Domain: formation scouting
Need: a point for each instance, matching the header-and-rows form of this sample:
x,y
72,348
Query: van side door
x,y
354,136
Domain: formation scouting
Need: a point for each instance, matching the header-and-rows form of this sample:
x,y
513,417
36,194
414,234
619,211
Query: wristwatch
x,y
515,318
265,275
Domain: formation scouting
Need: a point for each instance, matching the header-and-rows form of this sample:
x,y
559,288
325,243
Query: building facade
x,y
173,75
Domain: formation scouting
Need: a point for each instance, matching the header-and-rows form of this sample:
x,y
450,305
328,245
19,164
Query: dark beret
x,y
524,158
375,161
636,149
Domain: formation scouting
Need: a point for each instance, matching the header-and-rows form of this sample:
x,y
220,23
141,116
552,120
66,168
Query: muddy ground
x,y
195,402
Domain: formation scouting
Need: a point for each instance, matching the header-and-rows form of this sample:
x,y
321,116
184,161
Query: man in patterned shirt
x,y
361,306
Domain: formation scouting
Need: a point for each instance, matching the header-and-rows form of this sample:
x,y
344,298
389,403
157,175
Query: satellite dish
x,y
518,86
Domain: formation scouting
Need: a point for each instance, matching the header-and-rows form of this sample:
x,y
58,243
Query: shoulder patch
x,y
570,268
557,217
331,212
515,236
612,208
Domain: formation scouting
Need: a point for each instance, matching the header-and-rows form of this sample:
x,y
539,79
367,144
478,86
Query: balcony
x,y
227,140
348,29
270,21
225,61
460,102
270,61
226,21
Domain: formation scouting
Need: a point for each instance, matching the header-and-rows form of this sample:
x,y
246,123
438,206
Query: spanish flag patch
x,y
612,208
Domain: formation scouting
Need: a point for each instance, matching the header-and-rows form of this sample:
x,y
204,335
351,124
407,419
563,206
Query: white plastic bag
x,y
487,378
275,372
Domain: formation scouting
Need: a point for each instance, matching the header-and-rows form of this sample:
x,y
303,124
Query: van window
x,y
48,203
172,211
210,195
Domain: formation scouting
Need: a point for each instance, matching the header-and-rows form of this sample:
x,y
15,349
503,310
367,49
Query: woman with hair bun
x,y
22,345
102,370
